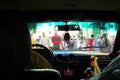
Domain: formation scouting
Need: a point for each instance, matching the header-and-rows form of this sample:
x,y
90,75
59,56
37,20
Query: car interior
x,y
21,20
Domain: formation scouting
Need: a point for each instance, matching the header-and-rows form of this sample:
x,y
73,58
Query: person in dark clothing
x,y
67,36
67,40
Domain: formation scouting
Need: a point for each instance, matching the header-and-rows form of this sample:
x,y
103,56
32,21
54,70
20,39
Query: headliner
x,y
37,5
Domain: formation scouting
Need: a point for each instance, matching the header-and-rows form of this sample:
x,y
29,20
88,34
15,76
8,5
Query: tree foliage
x,y
32,26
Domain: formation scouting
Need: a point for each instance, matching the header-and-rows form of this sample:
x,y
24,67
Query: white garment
x,y
45,41
81,43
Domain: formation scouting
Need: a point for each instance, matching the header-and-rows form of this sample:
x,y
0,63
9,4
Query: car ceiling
x,y
37,5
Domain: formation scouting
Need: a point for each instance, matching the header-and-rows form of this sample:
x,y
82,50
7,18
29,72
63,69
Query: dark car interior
x,y
16,40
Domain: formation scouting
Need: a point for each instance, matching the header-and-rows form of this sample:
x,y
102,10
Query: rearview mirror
x,y
68,27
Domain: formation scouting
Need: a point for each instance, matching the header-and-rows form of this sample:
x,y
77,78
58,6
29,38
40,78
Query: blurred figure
x,y
90,42
67,40
76,45
45,40
105,42
71,43
83,42
97,43
38,40
79,43
112,41
33,40
56,40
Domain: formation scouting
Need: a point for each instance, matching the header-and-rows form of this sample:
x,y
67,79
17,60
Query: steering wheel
x,y
45,52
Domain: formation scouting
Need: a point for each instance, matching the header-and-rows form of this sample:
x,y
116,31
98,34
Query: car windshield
x,y
74,35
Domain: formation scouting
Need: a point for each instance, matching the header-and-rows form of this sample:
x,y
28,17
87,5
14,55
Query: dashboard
x,y
76,62
81,56
71,64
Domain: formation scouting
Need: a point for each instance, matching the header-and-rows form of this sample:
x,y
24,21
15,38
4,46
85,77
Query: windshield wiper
x,y
93,47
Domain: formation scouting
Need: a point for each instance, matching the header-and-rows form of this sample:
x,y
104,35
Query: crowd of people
x,y
66,42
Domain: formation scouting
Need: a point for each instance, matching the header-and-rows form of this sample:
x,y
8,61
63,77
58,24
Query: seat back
x,y
42,74
15,44
115,75
16,49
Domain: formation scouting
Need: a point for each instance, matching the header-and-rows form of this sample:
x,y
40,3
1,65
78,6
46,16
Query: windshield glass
x,y
74,35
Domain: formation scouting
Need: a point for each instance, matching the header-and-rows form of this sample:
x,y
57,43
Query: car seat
x,y
115,75
15,50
